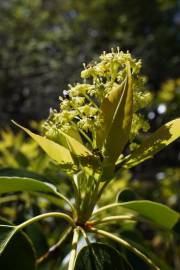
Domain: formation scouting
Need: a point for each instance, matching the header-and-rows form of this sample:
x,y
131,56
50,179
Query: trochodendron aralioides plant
x,y
91,138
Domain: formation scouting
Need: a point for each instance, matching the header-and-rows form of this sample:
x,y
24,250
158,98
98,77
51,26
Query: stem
x,y
81,131
55,248
10,198
105,208
113,218
86,136
91,101
51,214
85,235
127,245
74,249
76,192
89,200
67,201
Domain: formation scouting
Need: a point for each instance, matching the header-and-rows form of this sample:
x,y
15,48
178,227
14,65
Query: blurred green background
x,y
42,47
44,43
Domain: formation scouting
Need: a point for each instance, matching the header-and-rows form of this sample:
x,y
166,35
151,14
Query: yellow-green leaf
x,y
55,151
157,141
118,107
75,134
107,108
75,146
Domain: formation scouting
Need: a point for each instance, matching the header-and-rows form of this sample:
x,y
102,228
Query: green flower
x,y
80,108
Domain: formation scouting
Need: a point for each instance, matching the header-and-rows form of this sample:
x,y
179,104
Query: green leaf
x,y
157,141
22,173
127,245
6,233
108,108
158,213
98,256
13,184
118,106
43,189
73,133
16,251
137,240
75,146
55,151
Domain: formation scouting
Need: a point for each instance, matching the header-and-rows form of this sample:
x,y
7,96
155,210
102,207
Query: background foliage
x,y
43,44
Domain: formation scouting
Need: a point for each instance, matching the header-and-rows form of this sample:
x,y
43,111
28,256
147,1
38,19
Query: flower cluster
x,y
80,108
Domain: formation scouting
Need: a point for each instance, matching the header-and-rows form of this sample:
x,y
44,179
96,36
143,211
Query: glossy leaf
x,y
127,245
157,141
13,184
119,105
158,213
98,256
55,151
6,233
43,189
137,240
16,251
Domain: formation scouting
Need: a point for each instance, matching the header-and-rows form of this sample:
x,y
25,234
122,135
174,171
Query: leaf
x,y
127,245
137,240
43,189
75,146
22,173
55,151
98,256
108,108
13,184
157,141
74,134
16,250
6,233
158,213
118,107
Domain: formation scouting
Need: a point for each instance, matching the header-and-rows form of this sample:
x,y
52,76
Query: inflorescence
x,y
80,106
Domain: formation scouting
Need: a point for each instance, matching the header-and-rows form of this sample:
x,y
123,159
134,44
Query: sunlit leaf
x,y
72,132
75,146
118,108
98,256
157,141
108,108
57,152
158,213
